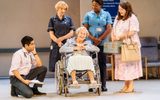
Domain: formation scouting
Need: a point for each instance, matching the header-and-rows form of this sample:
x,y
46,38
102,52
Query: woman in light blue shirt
x,y
98,22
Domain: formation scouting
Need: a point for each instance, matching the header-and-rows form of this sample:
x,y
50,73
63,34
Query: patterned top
x,y
124,26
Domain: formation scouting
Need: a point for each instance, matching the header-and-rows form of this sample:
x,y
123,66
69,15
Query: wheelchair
x,y
63,79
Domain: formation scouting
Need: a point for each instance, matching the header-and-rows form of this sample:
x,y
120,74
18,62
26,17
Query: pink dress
x,y
127,70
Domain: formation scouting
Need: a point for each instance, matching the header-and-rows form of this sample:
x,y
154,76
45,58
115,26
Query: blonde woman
x,y
80,59
60,28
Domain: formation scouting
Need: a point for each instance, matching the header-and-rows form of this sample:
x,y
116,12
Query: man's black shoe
x,y
13,91
104,89
90,90
36,92
39,93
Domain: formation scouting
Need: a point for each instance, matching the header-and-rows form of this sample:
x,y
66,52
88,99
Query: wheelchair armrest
x,y
93,54
66,54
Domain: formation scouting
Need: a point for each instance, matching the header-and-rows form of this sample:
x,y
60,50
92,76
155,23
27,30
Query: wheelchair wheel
x,y
59,77
98,89
98,75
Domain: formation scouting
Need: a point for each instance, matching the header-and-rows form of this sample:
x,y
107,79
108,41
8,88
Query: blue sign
x,y
111,6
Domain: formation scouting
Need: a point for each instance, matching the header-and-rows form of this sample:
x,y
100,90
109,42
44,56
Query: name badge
x,y
51,47
99,29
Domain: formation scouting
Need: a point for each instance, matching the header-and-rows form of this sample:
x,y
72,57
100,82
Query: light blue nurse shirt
x,y
97,23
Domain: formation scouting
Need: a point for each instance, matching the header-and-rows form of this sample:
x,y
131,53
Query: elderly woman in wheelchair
x,y
80,59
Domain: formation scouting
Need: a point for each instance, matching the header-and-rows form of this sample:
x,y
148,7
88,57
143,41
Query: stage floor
x,y
144,90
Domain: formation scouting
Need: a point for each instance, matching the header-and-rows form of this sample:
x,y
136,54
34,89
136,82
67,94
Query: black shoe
x,y
104,89
39,93
13,91
90,90
36,92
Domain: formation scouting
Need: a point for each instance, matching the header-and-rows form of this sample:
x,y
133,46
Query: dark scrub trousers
x,y
59,28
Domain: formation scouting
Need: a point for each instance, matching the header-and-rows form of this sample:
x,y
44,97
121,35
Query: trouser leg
x,y
39,73
54,56
102,65
20,88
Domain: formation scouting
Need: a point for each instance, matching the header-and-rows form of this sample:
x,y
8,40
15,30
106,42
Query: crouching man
x,y
26,65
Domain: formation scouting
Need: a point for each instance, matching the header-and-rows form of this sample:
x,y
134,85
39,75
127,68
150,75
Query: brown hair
x,y
127,6
26,40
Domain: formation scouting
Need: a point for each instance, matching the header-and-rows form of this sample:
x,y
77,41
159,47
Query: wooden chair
x,y
110,65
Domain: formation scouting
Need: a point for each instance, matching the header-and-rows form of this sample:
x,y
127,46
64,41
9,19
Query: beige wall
x,y
148,15
84,7
28,17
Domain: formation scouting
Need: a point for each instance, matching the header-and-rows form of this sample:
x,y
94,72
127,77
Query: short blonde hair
x,y
61,4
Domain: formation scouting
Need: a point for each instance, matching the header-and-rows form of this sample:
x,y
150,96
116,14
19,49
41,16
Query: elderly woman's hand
x,y
79,48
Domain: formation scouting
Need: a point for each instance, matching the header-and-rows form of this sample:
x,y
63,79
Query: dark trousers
x,y
54,56
22,89
102,65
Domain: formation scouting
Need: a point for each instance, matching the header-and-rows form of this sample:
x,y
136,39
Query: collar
x,y
25,51
99,12
64,17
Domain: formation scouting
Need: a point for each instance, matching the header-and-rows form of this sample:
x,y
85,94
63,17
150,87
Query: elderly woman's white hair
x,y
61,4
81,28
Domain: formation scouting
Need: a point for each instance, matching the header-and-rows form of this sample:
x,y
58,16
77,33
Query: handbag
x,y
130,52
112,47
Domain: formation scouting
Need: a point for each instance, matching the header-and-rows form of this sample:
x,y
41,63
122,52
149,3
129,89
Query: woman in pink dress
x,y
125,29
